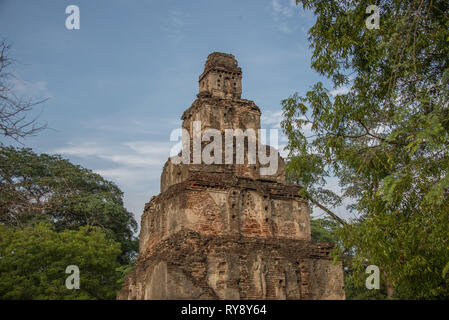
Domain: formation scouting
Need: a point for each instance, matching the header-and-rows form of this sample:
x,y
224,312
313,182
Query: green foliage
x,y
323,230
386,139
33,261
326,230
355,288
123,271
35,188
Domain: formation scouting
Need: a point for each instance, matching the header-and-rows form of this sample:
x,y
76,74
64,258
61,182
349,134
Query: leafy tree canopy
x,y
33,263
385,137
35,188
323,230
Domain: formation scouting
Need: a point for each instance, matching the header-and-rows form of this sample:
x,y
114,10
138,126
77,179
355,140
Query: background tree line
x,y
54,214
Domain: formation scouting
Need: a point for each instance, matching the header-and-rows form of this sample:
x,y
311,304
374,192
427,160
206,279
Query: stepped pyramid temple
x,y
229,229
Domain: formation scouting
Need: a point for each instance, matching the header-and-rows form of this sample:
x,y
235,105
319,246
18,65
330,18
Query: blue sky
x,y
118,86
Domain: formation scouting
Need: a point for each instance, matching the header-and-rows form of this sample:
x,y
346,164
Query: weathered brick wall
x,y
222,77
246,207
174,174
190,265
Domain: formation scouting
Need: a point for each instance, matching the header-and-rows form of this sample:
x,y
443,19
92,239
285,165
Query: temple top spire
x,y
222,77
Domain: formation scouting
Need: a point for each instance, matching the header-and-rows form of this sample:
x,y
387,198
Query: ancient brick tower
x,y
224,231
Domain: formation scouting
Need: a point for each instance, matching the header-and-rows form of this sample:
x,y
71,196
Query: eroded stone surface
x,y
190,265
224,231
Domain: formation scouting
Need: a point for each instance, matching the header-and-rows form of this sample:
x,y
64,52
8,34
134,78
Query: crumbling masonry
x,y
223,231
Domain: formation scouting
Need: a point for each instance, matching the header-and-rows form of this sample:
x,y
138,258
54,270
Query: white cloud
x,y
340,91
284,9
132,125
80,151
32,90
151,148
282,151
271,119
284,28
128,164
134,153
135,166
127,176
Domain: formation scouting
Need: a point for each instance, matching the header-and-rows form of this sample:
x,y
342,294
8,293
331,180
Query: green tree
x,y
35,188
386,139
323,230
326,230
34,261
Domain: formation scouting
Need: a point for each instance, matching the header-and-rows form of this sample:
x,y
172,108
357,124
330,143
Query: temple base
x,y
189,265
